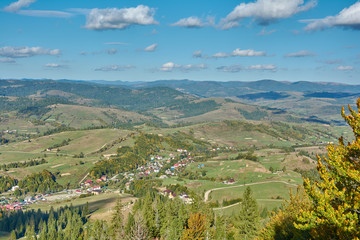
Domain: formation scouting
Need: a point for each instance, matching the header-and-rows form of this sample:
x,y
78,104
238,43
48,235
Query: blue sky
x,y
285,40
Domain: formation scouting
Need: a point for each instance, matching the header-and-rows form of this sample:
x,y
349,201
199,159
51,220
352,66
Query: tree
x,y
117,227
335,209
139,231
195,228
281,224
247,222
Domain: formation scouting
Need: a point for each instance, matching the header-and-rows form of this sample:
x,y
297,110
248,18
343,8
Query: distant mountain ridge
x,y
236,88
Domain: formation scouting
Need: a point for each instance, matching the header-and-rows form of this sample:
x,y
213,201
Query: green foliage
x,y
281,224
249,156
246,221
335,198
254,115
23,164
65,223
41,182
7,183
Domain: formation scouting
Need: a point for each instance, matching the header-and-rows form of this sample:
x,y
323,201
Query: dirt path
x,y
207,193
83,178
276,200
55,166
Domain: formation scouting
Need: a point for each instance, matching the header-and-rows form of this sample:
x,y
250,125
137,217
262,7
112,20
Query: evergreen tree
x,y
247,222
117,228
196,227
139,231
336,197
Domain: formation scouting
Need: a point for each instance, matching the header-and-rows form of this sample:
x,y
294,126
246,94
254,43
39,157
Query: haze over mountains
x,y
185,99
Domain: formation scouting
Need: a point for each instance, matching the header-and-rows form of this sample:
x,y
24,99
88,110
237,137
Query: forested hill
x,y
235,88
96,95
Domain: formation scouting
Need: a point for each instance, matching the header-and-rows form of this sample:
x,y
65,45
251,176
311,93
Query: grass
x,y
266,191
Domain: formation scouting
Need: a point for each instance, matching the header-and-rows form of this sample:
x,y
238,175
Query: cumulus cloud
x,y
194,22
342,68
16,6
347,18
114,68
54,66
247,52
239,53
302,53
7,60
151,48
20,52
265,11
170,66
114,18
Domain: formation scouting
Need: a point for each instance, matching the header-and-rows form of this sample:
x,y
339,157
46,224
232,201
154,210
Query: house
x,y
14,188
231,181
29,199
88,182
96,187
96,192
163,176
104,178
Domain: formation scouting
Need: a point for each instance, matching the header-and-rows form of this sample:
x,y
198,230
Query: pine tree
x,y
336,197
196,227
139,231
247,221
117,228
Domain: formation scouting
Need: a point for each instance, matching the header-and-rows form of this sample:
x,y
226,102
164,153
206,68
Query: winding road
x,y
207,193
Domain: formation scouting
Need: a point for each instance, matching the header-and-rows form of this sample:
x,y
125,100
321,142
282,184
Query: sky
x,y
130,40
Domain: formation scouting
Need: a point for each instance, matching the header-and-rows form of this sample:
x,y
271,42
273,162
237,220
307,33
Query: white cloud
x,y
45,13
115,43
239,53
270,67
190,22
16,6
7,60
114,18
236,53
302,53
54,66
112,51
247,52
170,66
347,18
19,52
265,11
151,48
264,32
115,68
333,61
197,54
231,69
342,68
194,22
237,68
